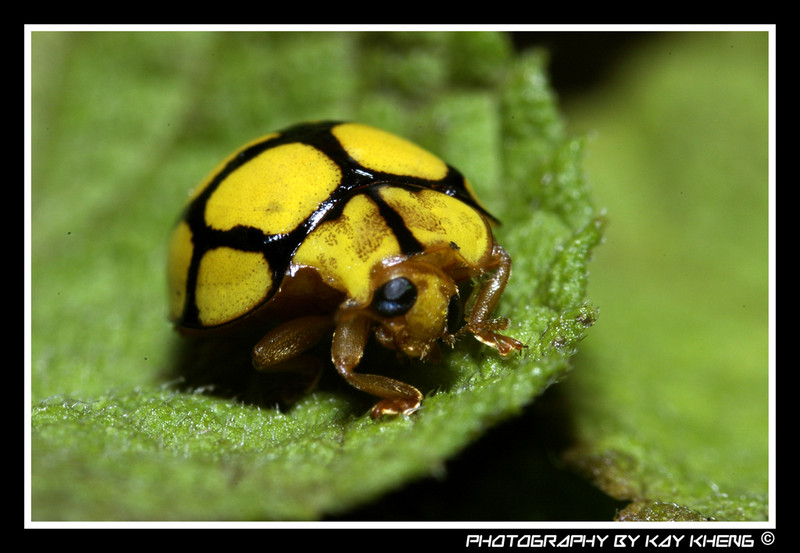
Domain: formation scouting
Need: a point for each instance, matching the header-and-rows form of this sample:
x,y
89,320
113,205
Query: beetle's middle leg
x,y
282,348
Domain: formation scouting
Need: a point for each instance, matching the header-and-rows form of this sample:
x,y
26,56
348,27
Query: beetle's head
x,y
414,304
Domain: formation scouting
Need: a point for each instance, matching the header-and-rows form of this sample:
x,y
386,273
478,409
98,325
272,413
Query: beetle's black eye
x,y
455,314
394,298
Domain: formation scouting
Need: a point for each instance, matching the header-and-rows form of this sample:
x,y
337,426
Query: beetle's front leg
x,y
480,323
349,341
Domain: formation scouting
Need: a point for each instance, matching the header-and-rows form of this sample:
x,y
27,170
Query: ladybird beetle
x,y
343,229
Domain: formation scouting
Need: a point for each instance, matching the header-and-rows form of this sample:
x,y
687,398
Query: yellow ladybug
x,y
343,229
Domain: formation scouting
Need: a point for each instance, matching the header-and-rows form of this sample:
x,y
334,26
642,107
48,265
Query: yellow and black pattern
x,y
338,197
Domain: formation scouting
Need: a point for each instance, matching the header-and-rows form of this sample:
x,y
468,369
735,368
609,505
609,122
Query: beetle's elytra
x,y
343,229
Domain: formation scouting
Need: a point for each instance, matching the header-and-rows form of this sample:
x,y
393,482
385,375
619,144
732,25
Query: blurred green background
x,y
676,372
668,400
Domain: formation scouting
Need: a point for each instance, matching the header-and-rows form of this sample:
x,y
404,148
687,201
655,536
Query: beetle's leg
x,y
281,348
349,341
480,323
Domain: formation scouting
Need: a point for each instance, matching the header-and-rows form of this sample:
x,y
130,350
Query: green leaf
x,y
121,427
